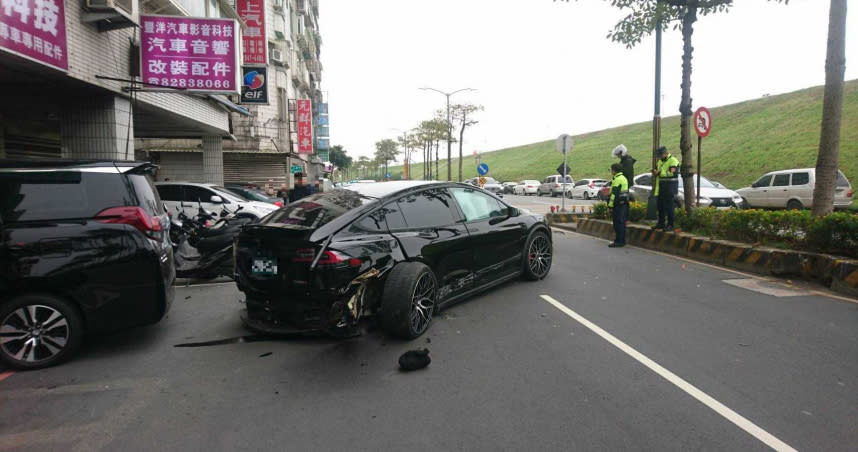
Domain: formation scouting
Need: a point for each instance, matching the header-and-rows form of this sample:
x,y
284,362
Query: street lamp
x,y
449,126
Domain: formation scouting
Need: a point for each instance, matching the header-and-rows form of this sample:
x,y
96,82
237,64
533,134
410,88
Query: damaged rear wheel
x,y
408,300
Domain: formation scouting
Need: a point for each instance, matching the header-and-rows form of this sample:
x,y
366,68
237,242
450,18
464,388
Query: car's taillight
x,y
849,193
132,216
278,203
306,255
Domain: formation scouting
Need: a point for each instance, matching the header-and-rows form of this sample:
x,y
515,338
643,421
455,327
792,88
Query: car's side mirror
x,y
216,199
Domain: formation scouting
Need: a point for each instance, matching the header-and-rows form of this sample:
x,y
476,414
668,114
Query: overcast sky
x,y
543,68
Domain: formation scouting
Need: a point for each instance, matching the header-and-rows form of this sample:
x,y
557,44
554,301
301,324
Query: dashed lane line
x,y
732,416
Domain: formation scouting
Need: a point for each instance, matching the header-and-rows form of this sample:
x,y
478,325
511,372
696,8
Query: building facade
x,y
263,146
71,87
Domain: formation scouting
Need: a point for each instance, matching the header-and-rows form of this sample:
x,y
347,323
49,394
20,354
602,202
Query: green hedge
x,y
836,233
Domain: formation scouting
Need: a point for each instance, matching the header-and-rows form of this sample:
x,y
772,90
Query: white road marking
x,y
704,398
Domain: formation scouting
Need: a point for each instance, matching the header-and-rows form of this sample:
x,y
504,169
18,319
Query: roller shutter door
x,y
259,168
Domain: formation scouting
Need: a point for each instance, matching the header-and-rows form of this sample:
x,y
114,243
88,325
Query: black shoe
x,y
616,245
669,229
657,227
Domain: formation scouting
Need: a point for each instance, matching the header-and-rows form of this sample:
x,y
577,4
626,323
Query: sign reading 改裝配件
x,y
36,30
189,53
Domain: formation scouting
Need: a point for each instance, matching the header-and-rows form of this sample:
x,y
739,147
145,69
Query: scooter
x,y
203,245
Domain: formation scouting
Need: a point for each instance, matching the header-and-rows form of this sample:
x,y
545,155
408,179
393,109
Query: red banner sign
x,y
36,30
252,12
304,120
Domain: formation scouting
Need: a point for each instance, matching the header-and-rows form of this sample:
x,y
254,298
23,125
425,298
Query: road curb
x,y
559,218
841,275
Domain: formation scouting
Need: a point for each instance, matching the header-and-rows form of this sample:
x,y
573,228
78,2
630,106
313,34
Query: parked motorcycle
x,y
202,246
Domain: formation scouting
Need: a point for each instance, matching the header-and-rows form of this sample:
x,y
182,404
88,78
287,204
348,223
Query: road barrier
x,y
840,274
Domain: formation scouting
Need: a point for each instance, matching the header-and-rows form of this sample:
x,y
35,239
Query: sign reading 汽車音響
x,y
195,54
254,41
36,30
304,121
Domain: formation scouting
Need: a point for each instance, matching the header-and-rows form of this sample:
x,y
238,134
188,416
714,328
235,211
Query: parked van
x,y
792,189
553,185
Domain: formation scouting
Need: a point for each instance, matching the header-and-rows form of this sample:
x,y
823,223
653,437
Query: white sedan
x,y
710,196
526,187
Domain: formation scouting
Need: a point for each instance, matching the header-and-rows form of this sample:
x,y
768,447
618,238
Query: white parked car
x,y
526,187
587,188
189,196
710,195
793,189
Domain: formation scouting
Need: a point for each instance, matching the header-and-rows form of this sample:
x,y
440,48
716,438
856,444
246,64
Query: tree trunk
x,y
437,171
461,139
685,145
449,159
832,110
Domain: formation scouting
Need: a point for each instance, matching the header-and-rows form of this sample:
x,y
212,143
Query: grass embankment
x,y
747,140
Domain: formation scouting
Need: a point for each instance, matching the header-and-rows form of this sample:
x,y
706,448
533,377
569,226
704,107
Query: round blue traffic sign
x,y
483,169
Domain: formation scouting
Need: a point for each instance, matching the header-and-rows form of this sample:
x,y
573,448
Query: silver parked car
x,y
710,195
491,185
793,189
553,185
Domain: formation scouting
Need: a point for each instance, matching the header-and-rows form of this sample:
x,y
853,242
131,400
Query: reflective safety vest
x,y
619,190
668,171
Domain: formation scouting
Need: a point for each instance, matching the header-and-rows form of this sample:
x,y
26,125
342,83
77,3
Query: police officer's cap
x,y
661,151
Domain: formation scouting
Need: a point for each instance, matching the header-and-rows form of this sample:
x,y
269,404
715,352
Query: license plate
x,y
264,266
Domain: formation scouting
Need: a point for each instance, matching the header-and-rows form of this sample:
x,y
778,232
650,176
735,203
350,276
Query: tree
x,y
643,19
363,164
462,116
832,107
339,157
385,151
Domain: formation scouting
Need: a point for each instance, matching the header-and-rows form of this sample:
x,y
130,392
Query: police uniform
x,y
619,203
666,187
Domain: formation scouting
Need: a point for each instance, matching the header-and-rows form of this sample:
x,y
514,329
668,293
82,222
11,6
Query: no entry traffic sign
x,y
702,122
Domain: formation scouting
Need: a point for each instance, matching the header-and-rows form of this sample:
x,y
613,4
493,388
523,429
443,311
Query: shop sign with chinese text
x,y
304,120
255,45
36,30
191,53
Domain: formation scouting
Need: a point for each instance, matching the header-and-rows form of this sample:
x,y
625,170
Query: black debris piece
x,y
188,297
414,359
428,340
265,354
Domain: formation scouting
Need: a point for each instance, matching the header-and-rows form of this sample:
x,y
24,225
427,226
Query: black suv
x,y
85,248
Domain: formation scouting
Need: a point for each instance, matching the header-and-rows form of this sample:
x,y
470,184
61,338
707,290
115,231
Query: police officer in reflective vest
x,y
666,187
619,204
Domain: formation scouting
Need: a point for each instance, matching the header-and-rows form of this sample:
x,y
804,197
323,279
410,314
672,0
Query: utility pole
x,y
651,206
449,129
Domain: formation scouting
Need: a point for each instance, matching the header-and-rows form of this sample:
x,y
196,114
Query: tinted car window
x,y
781,180
147,196
170,192
381,220
800,178
841,180
194,194
477,206
763,181
644,180
316,210
428,208
58,195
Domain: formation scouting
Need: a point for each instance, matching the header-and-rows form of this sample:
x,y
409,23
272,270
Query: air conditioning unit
x,y
112,14
278,4
277,56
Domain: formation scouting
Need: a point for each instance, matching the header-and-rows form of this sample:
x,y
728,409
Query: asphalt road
x,y
510,371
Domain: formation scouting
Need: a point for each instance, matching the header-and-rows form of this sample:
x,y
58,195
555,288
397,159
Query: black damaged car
x,y
398,251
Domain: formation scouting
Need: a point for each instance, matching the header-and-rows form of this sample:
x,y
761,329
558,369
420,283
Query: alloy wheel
x,y
422,303
34,333
539,256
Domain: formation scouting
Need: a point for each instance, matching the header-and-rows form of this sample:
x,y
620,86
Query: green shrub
x,y
834,233
637,211
601,211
